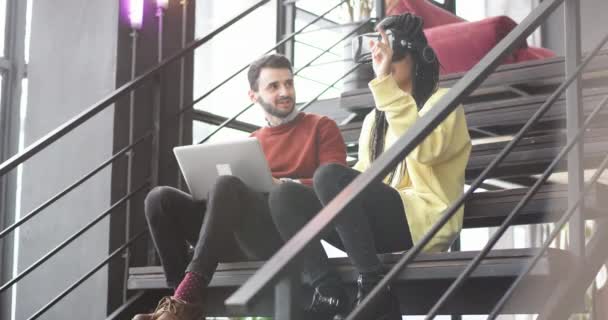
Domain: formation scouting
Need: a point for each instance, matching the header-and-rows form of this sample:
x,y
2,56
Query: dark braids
x,y
425,73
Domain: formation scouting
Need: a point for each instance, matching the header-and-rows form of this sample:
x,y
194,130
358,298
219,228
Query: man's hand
x,y
382,55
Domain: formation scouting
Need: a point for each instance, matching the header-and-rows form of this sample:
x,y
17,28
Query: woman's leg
x,y
374,223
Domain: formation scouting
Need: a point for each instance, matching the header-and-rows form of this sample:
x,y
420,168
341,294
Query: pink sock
x,y
190,289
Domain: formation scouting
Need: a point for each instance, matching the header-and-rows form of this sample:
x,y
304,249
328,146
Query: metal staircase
x,y
550,110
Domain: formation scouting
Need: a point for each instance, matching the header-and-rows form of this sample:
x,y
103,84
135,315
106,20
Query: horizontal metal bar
x,y
390,158
138,295
316,48
62,130
511,216
309,103
59,195
307,15
87,276
558,227
69,240
317,81
212,118
191,105
295,73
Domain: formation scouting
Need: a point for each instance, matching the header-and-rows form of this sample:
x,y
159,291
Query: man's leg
x,y
235,214
174,219
292,206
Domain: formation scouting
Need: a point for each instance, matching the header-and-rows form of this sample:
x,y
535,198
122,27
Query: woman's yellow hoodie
x,y
434,175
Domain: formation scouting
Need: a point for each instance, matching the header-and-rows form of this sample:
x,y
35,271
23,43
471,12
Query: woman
x,y
392,215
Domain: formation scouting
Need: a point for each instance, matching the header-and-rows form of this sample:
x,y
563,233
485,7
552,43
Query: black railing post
x,y
130,160
182,82
286,306
574,120
380,6
286,24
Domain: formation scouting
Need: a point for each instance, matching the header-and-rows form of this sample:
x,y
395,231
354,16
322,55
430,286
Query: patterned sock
x,y
190,289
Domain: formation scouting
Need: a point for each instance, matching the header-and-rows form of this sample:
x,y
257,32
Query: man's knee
x,y
328,174
282,197
227,183
155,200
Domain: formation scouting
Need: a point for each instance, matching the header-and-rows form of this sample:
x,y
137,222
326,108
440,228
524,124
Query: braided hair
x,y
425,77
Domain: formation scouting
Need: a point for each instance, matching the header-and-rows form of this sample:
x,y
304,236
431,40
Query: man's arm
x,y
331,147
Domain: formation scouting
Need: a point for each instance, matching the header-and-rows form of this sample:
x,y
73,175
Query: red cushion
x,y
433,15
459,46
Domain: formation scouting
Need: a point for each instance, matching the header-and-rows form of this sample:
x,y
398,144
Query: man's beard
x,y
274,111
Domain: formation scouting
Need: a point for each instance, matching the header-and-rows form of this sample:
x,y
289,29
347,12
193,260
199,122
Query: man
x,y
235,224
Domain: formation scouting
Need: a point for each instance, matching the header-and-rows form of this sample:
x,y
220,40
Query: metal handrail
x,y
507,221
501,156
67,127
191,105
558,227
71,288
132,300
274,268
69,240
313,100
238,114
59,195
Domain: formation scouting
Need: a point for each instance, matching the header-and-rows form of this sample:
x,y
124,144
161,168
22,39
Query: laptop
x,y
202,164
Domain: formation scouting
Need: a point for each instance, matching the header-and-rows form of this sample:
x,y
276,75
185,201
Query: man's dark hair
x,y
274,60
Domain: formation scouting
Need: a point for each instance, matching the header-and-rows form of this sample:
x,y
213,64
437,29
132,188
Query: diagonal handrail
x,y
69,240
73,186
511,216
313,100
558,227
191,105
238,114
275,267
88,275
70,125
410,255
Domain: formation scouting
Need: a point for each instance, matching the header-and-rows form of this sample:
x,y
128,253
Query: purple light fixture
x,y
164,4
136,13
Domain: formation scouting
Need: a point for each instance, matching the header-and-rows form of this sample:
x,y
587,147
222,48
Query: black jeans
x,y
234,224
374,223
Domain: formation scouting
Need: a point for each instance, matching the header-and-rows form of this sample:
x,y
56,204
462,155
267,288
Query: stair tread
x,y
427,277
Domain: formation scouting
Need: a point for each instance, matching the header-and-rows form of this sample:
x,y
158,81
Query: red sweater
x,y
296,149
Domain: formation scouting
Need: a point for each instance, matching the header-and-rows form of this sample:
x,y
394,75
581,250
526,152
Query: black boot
x,y
384,307
327,302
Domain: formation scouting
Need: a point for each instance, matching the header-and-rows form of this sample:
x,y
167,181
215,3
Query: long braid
x,y
425,78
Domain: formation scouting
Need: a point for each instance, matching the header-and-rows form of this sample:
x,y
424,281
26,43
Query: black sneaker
x,y
327,302
385,307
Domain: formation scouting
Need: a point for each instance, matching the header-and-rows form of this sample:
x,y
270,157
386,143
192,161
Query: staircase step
x,y
507,82
530,156
424,281
502,117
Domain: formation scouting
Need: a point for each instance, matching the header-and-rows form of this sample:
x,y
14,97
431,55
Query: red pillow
x,y
433,15
459,46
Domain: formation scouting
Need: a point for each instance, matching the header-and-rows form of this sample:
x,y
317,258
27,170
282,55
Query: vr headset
x,y
362,51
